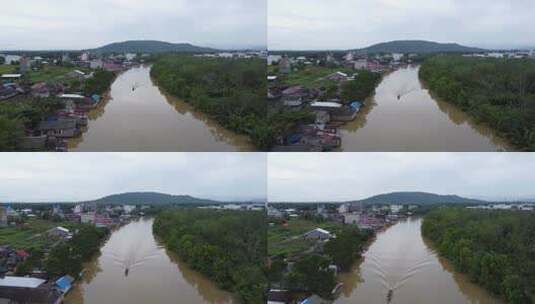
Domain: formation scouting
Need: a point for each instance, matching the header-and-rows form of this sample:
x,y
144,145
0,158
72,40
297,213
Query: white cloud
x,y
350,176
345,24
84,176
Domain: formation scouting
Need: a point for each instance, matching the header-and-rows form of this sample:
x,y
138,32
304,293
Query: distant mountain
x,y
151,46
419,46
421,198
154,198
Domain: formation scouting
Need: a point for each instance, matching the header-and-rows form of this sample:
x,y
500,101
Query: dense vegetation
x,y
99,83
68,258
499,92
227,246
496,248
346,248
361,88
232,91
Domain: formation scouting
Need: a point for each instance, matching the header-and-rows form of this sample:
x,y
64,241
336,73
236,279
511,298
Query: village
x,y
30,236
61,88
299,231
334,88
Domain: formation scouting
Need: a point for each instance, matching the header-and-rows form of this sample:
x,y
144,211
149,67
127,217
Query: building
x,y
96,64
87,218
3,216
28,290
285,65
25,65
318,234
59,232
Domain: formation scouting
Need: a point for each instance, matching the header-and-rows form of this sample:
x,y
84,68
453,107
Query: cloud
x,y
78,24
350,176
85,176
346,24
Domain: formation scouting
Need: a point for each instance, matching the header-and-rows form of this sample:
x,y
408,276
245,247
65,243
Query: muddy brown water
x,y
401,260
155,275
415,122
138,116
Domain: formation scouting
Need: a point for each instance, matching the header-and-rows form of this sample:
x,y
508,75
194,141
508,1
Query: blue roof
x,y
64,283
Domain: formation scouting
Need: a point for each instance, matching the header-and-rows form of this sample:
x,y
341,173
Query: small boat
x,y
399,97
126,272
389,296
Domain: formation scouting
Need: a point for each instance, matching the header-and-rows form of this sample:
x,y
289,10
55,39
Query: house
x,y
87,218
96,64
338,76
27,290
25,65
273,59
3,217
76,74
60,127
278,296
64,284
285,66
59,232
314,299
360,64
11,76
352,218
318,234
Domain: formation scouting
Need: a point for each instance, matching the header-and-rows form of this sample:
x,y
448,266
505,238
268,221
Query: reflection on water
x,y
403,116
137,116
154,275
400,260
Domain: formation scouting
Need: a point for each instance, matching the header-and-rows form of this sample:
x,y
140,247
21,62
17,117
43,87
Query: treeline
x,y
495,248
361,88
229,247
232,91
16,117
99,83
499,92
68,258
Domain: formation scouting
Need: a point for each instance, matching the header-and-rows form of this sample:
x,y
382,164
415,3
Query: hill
x,y
154,198
151,46
420,198
419,46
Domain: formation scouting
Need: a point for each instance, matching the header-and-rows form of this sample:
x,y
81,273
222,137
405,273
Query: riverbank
x,y
501,98
404,117
399,260
230,91
138,116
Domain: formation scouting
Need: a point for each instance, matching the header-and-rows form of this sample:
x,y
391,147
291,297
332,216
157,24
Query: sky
x,y
302,177
52,177
349,24
83,24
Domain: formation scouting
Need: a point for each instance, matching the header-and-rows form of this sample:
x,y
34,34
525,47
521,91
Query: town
x,y
32,237
333,88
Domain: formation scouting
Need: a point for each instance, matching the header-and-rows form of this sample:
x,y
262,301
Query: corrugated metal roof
x,y
21,282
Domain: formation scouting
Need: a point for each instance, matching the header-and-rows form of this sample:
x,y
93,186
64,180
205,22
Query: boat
x,y
126,272
389,296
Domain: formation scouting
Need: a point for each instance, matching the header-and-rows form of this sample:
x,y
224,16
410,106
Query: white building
x,y
318,234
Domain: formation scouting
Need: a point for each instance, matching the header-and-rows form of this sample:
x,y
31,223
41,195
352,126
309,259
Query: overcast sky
x,y
346,24
352,176
81,24
86,176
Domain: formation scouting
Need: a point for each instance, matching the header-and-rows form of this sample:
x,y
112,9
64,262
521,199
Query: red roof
x,y
22,253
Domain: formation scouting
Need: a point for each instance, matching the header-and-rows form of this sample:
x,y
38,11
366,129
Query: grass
x,y
27,236
287,241
50,73
7,69
312,76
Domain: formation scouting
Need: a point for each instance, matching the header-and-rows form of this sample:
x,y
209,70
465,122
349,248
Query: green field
x,y
287,241
7,69
313,76
51,73
28,235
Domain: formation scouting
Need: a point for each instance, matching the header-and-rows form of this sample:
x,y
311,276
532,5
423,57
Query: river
x,y
155,275
414,122
138,116
401,260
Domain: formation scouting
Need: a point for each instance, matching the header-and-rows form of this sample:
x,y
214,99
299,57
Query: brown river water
x,y
138,116
415,122
401,260
155,275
